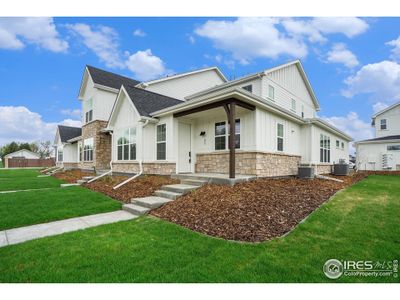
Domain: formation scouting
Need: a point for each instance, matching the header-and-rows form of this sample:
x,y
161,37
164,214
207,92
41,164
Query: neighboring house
x,y
273,114
383,151
66,146
181,124
24,154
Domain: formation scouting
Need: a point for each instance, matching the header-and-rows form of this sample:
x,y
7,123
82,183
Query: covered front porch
x,y
214,139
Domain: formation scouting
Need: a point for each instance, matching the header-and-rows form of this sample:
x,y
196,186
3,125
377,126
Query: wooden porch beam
x,y
221,103
232,150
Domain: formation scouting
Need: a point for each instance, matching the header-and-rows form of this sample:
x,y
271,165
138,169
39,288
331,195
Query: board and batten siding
x,y
289,84
266,133
184,86
392,117
70,153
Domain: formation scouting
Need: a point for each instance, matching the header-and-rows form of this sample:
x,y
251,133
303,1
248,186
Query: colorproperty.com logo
x,y
334,268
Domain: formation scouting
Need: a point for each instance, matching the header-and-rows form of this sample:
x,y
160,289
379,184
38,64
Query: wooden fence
x,y
29,163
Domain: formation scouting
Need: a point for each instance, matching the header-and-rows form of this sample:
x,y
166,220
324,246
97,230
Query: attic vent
x,y
248,88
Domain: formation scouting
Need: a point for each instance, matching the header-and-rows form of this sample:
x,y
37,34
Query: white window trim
x,y
282,137
273,92
227,134
325,148
380,125
293,101
159,142
129,145
92,149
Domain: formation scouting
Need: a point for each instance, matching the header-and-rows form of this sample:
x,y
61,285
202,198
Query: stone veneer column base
x,y
263,164
70,166
156,168
323,169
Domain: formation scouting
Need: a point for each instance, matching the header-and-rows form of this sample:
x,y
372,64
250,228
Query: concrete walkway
x,y
23,234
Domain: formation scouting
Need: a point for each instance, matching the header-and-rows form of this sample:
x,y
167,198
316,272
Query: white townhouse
x,y
383,151
166,126
66,152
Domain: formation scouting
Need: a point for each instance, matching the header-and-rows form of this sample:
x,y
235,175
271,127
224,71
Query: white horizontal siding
x,y
392,122
369,156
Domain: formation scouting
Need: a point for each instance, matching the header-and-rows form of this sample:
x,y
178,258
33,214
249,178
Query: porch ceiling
x,y
213,113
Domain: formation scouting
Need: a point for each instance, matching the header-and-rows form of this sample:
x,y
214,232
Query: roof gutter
x,y
330,128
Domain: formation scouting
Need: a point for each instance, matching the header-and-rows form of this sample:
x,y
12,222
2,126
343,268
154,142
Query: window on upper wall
x,y
271,92
126,144
88,149
383,124
342,145
161,142
337,144
88,110
60,155
279,137
222,135
325,149
248,88
293,106
302,111
393,148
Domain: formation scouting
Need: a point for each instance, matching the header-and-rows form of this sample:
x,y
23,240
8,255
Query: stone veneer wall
x,y
70,166
262,164
159,168
101,143
323,169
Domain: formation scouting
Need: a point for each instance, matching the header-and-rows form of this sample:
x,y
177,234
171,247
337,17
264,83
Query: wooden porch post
x,y
230,113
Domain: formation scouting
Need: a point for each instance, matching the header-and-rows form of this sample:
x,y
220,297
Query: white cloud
x,y
192,40
381,80
15,33
139,32
353,126
340,54
248,38
102,40
396,48
379,106
18,123
145,65
72,112
349,26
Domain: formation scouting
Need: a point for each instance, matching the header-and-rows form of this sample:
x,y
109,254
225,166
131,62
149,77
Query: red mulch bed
x,y
142,186
253,211
71,176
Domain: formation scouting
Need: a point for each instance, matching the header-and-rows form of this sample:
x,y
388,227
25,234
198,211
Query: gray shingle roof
x,y
147,102
68,132
383,138
110,79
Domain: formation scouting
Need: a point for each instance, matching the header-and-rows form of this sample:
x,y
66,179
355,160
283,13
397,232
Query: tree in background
x,y
43,148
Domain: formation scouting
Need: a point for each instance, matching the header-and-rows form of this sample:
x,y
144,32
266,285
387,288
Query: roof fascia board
x,y
85,78
106,88
385,109
330,128
378,142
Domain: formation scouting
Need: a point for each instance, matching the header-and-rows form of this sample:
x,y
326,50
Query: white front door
x,y
184,152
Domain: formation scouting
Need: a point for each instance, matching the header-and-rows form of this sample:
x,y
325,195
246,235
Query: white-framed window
x,y
325,149
393,147
248,88
222,135
383,124
271,92
342,145
88,110
60,154
126,144
279,136
88,149
80,151
337,143
293,105
161,142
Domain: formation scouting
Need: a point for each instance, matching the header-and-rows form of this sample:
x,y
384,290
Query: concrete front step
x,y
193,182
179,188
167,194
150,202
136,209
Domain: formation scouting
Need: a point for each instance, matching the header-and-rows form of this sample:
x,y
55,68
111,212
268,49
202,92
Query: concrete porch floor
x,y
215,178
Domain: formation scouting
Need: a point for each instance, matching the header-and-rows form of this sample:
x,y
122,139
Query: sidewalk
x,y
23,234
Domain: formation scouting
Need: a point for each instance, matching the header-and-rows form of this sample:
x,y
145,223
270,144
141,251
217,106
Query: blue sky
x,y
352,63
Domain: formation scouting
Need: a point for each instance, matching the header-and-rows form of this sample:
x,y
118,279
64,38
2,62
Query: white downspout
x,y
112,155
140,161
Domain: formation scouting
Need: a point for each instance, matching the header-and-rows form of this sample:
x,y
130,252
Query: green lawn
x,y
361,223
22,179
33,207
